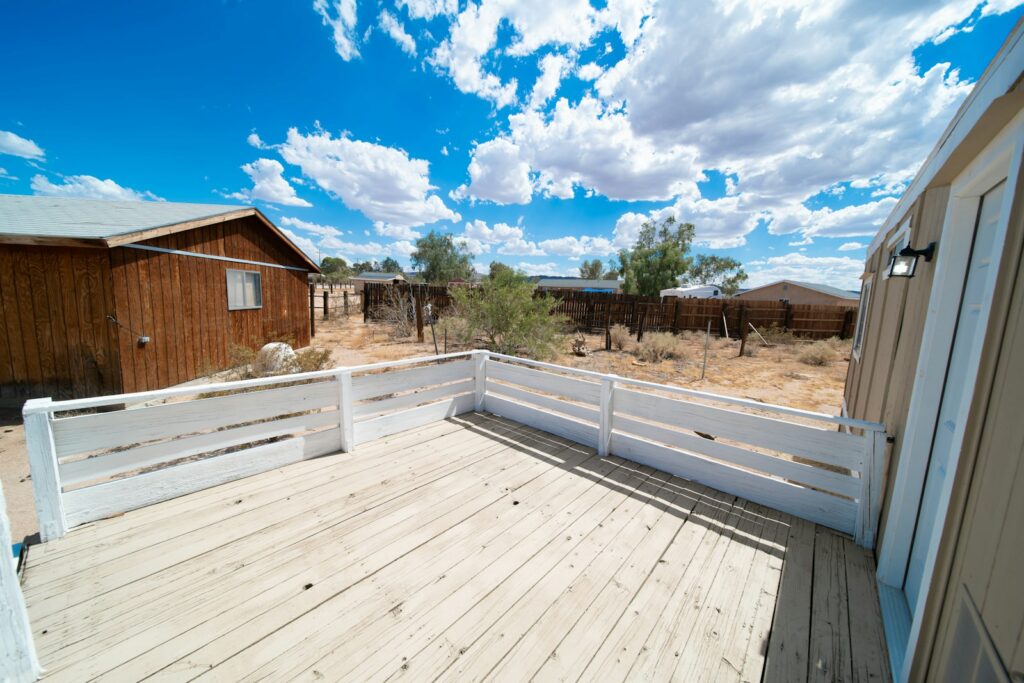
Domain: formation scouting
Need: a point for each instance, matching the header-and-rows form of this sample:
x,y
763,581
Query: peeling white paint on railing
x,y
827,476
18,661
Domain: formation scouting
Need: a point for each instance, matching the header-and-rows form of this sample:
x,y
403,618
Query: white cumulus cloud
x,y
839,271
89,187
340,16
394,28
269,184
384,183
14,144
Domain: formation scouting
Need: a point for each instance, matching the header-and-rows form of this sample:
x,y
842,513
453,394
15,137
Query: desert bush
x,y
841,346
504,311
776,335
818,353
310,360
397,313
750,349
658,346
692,336
460,332
619,335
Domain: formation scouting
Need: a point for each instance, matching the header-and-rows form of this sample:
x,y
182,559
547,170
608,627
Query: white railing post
x,y
481,379
872,474
42,462
344,379
18,661
607,413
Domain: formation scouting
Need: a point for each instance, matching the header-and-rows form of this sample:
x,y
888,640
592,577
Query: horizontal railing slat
x,y
103,500
362,410
375,428
378,384
566,427
824,446
85,433
809,475
523,396
111,464
815,506
552,383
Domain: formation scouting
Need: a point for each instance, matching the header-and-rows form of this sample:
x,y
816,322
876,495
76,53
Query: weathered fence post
x,y
417,302
723,330
18,660
640,325
787,321
845,332
42,461
325,305
366,304
344,379
480,389
344,298
743,328
312,310
604,439
675,316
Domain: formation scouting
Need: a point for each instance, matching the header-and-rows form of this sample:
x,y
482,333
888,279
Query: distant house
x,y
579,284
359,281
796,292
104,297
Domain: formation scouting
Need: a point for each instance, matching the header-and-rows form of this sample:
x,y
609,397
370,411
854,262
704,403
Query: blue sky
x,y
541,133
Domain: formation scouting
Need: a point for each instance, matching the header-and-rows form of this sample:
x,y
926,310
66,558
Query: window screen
x,y
245,290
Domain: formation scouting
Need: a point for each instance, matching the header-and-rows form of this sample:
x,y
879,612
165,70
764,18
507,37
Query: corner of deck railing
x,y
42,462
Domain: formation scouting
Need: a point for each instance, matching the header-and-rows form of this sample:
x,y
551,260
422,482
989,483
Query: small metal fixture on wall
x,y
904,264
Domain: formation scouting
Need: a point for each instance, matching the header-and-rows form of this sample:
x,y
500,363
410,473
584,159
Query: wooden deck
x,y
468,549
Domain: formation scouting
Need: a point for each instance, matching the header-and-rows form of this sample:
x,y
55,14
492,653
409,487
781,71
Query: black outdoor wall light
x,y
905,262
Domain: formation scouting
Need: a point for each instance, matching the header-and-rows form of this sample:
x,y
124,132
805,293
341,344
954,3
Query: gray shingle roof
x,y
577,283
36,216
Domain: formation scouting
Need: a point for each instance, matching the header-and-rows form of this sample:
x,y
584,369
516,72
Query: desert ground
x,y
770,375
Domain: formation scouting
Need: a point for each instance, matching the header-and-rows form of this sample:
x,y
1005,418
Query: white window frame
x,y
862,317
1001,159
246,274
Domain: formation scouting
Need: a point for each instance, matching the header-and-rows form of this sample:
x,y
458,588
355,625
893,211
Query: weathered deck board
x,y
474,549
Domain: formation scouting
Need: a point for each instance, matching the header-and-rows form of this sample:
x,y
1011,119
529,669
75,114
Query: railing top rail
x,y
48,406
45,405
704,395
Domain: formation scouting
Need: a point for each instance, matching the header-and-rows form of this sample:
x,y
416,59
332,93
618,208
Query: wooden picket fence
x,y
596,311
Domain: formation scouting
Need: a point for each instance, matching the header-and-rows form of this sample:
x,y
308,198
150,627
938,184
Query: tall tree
x,y
708,269
390,265
441,259
658,258
365,266
498,268
330,265
591,270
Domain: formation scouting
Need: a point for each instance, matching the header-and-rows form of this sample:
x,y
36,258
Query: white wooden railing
x,y
93,465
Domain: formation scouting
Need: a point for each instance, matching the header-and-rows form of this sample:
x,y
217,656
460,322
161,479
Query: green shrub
x,y
460,332
619,335
504,311
819,353
658,346
310,360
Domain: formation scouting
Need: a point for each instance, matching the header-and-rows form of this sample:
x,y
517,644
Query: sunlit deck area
x,y
469,548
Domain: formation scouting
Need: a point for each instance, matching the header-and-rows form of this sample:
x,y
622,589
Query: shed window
x,y
862,318
245,290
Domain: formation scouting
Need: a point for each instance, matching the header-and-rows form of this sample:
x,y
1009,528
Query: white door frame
x,y
1000,159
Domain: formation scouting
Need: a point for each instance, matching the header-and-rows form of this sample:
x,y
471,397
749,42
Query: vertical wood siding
x,y
181,304
55,338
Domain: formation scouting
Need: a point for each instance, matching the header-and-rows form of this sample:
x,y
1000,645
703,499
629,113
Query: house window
x,y
245,290
862,318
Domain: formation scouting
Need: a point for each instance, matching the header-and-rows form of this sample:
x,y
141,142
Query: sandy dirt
x,y
771,375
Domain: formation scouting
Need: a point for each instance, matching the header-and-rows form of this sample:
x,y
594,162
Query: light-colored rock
x,y
274,359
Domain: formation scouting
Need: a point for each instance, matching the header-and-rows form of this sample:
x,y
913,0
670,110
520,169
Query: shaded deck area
x,y
472,548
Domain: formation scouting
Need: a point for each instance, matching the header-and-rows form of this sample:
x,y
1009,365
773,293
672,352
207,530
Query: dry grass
x,y
777,336
658,346
620,336
820,353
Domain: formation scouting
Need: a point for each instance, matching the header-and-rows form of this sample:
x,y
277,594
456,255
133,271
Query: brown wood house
x,y
796,292
104,297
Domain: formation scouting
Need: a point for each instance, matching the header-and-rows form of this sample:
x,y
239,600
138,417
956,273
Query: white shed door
x,y
956,397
